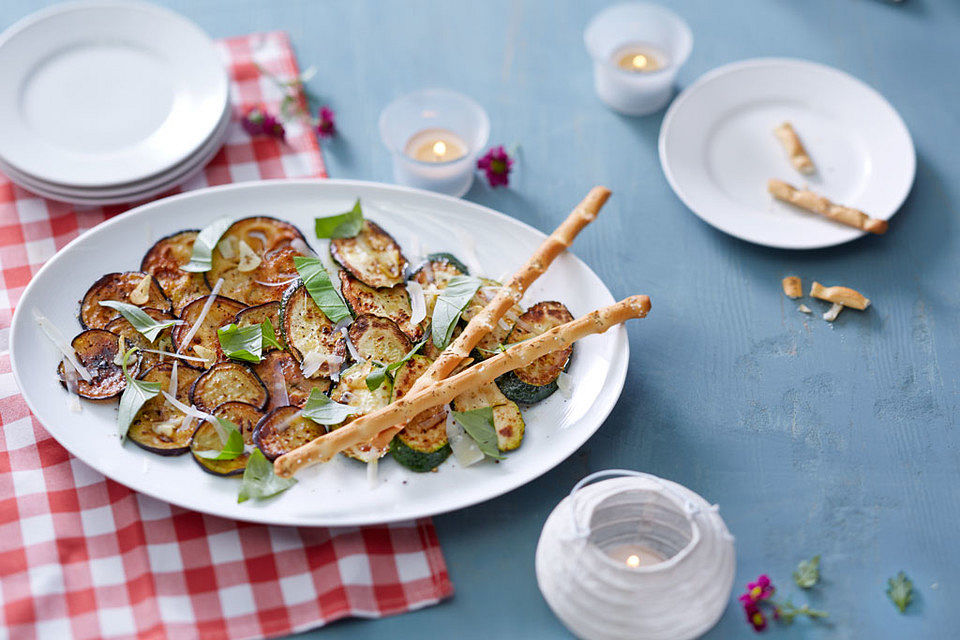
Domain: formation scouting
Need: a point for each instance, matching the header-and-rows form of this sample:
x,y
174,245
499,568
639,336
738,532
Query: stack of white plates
x,y
106,102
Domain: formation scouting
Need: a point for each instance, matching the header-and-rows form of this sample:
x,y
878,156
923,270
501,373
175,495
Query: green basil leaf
x,y
323,410
321,289
241,343
900,591
450,304
343,225
202,255
807,573
269,335
379,375
259,480
478,424
232,445
135,395
137,317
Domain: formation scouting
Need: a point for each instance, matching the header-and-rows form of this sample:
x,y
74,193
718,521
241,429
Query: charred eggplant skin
x,y
227,381
163,261
352,254
97,350
274,440
244,415
304,327
118,286
157,411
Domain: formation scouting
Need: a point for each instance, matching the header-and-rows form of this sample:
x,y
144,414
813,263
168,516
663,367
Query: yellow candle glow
x,y
435,145
635,555
639,58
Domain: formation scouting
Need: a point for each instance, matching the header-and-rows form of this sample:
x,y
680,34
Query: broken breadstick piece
x,y
792,287
840,295
797,153
831,314
816,203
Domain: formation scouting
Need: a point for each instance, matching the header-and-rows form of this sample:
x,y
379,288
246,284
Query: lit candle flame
x,y
439,148
633,561
639,61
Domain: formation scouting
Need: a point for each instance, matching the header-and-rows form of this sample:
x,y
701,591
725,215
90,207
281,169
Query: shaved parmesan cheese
x,y
833,312
299,245
141,293
802,308
372,473
173,378
167,427
207,355
53,333
565,384
173,355
282,283
187,409
289,420
249,260
465,449
227,247
70,378
352,349
313,360
203,314
279,384
469,252
418,303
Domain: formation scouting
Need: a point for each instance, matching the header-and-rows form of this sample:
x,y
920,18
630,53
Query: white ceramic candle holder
x,y
434,109
588,577
645,24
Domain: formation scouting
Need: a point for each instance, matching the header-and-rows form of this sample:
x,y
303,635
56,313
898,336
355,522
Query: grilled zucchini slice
x,y
371,256
164,342
434,274
222,312
388,302
422,445
507,419
379,339
305,328
537,380
279,367
352,390
269,311
226,381
160,427
489,345
118,287
283,430
163,262
275,242
97,350
207,438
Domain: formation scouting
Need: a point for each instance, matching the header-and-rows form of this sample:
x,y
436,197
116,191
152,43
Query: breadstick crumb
x,y
840,295
792,287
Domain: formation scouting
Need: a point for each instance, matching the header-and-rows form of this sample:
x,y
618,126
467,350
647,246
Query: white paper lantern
x,y
635,557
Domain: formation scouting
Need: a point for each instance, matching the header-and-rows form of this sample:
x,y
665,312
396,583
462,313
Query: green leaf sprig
x,y
137,317
450,304
342,225
259,480
381,372
787,611
135,395
230,438
317,281
325,411
269,335
246,343
900,591
807,573
478,423
201,258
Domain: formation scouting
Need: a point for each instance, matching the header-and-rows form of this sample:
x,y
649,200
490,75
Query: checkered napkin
x,y
82,556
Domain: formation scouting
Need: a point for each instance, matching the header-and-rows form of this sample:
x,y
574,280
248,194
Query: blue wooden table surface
x,y
839,440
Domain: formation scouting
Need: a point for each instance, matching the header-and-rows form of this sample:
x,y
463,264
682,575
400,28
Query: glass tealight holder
x,y
435,136
635,556
637,50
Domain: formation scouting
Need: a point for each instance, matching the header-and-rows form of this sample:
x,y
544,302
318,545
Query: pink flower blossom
x,y
257,122
326,127
496,164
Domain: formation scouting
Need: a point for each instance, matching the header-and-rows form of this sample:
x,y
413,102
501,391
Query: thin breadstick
x,y
508,295
816,203
797,153
365,427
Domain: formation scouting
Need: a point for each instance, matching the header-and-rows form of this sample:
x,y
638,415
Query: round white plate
x,y
717,149
105,93
336,493
137,191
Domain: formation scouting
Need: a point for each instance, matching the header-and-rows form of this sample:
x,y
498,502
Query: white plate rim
x,y
601,408
666,128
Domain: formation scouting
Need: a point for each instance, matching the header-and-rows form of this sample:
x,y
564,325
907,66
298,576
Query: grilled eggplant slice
x,y
96,350
280,368
269,311
164,342
159,426
537,380
226,381
222,312
490,343
379,339
352,390
163,262
207,438
283,430
507,419
422,445
118,287
274,242
389,302
371,256
306,329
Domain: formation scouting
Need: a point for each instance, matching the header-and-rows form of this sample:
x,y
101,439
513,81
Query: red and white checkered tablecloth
x,y
82,556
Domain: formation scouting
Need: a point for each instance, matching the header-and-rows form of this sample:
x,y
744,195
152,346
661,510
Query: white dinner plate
x,y
106,92
338,492
135,192
717,149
